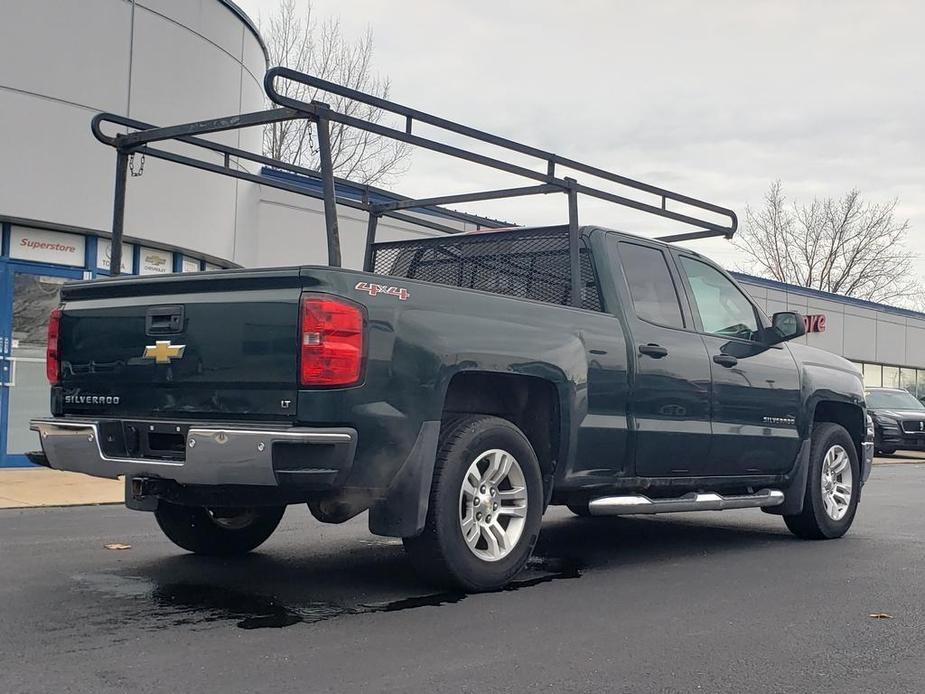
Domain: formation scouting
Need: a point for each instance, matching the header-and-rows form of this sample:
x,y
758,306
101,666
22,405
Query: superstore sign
x,y
47,246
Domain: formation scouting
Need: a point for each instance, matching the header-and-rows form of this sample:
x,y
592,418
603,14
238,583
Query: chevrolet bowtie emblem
x,y
162,351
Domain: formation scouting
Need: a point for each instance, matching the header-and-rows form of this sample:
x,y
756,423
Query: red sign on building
x,y
814,322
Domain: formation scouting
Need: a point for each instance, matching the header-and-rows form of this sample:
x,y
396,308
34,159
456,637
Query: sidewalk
x,y
27,487
901,458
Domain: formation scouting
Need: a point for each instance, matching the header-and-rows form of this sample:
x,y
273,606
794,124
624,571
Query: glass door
x,y
28,297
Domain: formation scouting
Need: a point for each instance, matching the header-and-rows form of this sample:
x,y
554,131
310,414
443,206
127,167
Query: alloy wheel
x,y
493,505
836,482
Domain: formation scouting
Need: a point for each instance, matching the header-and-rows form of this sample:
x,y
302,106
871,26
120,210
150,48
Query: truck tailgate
x,y
216,345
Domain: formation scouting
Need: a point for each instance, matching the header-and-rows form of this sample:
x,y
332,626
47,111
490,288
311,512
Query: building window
x,y
907,380
891,377
872,376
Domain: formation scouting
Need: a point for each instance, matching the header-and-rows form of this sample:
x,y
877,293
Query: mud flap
x,y
403,512
795,493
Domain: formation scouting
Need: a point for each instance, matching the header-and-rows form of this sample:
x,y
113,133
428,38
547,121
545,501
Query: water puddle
x,y
194,604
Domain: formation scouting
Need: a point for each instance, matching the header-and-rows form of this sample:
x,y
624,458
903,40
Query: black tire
x,y
813,522
440,553
886,451
197,530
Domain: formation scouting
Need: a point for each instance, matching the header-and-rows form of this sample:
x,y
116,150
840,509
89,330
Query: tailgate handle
x,y
164,320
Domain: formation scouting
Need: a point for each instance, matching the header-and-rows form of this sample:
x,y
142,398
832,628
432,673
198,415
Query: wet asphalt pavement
x,y
710,602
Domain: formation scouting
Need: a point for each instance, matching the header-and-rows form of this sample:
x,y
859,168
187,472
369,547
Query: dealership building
x,y
174,61
886,343
160,62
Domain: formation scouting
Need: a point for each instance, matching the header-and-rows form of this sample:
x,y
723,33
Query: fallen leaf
x,y
119,545
880,615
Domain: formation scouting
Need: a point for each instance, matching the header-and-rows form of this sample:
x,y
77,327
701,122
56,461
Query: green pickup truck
x,y
457,386
453,393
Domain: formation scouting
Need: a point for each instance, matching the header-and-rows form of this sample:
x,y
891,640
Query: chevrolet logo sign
x,y
162,351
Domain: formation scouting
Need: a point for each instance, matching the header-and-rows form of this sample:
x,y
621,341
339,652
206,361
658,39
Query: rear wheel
x,y
217,531
831,497
485,506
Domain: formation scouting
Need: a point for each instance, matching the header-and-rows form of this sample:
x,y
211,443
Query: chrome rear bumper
x,y
213,455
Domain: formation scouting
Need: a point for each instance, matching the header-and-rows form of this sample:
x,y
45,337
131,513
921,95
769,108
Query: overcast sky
x,y
712,99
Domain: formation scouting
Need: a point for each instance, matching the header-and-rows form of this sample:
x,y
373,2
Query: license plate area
x,y
140,439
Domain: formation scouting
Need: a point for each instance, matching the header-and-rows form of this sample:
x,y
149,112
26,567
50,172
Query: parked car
x,y
454,393
899,420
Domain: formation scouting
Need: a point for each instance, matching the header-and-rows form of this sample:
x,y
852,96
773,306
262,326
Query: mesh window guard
x,y
530,264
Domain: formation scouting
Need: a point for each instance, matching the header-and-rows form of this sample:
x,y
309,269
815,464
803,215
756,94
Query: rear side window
x,y
655,298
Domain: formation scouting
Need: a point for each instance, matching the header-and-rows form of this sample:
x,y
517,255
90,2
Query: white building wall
x,y
915,338
859,333
159,61
291,230
860,338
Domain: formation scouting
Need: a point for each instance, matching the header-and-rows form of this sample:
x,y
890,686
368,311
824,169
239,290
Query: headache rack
x,y
573,289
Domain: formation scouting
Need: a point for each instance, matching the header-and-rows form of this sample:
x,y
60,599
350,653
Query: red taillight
x,y
51,351
331,342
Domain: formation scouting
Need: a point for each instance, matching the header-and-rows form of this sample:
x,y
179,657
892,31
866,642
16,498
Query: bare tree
x,y
296,40
844,245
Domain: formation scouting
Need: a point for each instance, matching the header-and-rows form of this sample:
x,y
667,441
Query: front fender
x,y
826,377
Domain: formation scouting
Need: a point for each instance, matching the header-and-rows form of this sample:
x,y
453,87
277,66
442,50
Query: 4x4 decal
x,y
374,289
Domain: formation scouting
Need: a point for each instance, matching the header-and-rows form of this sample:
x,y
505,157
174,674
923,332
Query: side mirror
x,y
785,325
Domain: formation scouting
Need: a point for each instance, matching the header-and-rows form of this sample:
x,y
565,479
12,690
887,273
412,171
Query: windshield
x,y
892,400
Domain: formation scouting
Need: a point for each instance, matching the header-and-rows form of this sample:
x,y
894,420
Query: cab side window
x,y
655,298
723,308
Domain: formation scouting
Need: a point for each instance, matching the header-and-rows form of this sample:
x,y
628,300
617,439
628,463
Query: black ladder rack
x,y
144,136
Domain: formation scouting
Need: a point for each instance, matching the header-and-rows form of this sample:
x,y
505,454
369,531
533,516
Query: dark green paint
x,y
625,420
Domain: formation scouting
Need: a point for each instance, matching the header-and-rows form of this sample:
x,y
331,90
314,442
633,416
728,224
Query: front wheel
x,y
486,506
832,486
217,531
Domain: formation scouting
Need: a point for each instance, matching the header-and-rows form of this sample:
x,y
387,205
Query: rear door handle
x,y
653,350
725,360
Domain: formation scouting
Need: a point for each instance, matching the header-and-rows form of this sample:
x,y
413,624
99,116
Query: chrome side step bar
x,y
625,505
